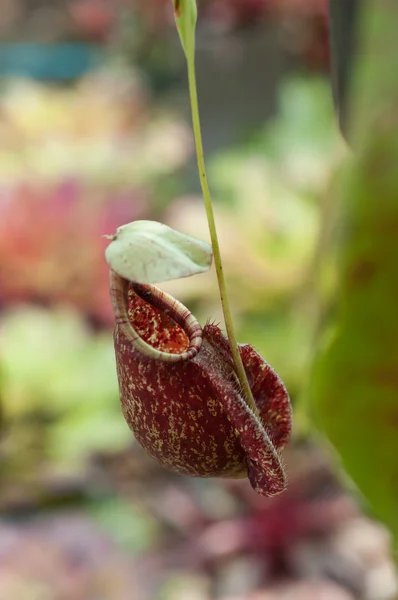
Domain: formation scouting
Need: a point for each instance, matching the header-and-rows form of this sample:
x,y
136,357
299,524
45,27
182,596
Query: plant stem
x,y
193,95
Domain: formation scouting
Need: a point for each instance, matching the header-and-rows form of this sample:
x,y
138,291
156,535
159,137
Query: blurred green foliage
x,y
113,514
356,380
53,365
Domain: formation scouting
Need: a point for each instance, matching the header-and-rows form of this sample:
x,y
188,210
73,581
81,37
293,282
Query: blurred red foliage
x,y
51,244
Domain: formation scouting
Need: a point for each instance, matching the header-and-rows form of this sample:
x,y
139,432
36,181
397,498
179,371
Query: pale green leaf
x,y
151,252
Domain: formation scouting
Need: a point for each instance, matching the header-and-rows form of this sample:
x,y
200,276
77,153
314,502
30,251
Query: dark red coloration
x,y
191,415
156,327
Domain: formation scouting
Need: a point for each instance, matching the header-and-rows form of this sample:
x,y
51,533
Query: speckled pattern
x,y
155,326
190,415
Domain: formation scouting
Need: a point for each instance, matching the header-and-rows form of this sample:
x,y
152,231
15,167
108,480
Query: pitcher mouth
x,y
157,325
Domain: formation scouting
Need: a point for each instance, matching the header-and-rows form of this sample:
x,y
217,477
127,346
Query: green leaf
x,y
355,386
150,252
185,14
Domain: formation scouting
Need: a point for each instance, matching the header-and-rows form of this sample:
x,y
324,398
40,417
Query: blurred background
x,y
94,133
